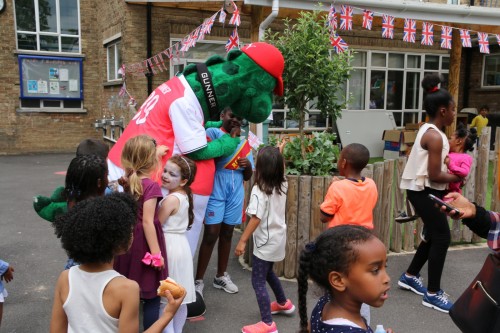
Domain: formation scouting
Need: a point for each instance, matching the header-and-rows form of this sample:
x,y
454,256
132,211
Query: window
x,y
114,57
48,25
491,71
382,81
203,50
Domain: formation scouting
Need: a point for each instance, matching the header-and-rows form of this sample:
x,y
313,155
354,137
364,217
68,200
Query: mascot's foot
x,y
40,202
196,309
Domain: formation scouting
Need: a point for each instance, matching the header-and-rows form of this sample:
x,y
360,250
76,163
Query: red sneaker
x,y
260,327
288,308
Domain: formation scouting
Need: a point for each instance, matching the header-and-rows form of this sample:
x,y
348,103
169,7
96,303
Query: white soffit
x,y
425,11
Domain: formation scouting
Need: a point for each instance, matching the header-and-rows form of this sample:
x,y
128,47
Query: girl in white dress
x,y
176,216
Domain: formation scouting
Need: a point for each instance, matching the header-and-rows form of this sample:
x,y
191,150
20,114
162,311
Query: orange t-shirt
x,y
351,202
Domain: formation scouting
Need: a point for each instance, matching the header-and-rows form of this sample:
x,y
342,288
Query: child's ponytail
x,y
303,275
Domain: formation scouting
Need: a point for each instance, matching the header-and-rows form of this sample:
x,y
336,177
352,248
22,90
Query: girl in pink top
x,y
458,161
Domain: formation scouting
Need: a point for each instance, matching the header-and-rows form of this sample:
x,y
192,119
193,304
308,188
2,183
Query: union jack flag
x,y
465,37
235,19
498,39
233,41
345,17
427,33
387,26
332,18
222,16
367,19
185,44
195,35
207,25
446,37
484,45
410,31
338,43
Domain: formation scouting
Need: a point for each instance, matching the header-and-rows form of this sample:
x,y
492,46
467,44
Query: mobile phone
x,y
440,202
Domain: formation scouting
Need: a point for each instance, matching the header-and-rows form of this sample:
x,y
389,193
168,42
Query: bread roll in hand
x,y
169,284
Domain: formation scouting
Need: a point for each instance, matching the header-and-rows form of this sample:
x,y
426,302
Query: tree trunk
x,y
301,131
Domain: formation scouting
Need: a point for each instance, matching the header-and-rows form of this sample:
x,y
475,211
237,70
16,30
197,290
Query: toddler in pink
x,y
458,161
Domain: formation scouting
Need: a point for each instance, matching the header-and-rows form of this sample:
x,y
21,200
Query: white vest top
x,y
415,176
84,307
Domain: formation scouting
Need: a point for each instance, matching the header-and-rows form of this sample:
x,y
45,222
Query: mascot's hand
x,y
213,124
50,208
223,146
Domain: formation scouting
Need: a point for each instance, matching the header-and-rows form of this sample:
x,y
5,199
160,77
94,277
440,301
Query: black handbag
x,y
478,308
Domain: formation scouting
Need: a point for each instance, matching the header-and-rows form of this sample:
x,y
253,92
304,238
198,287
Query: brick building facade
x,y
102,23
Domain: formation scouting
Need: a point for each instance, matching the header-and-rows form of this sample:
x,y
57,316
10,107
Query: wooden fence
x,y
306,193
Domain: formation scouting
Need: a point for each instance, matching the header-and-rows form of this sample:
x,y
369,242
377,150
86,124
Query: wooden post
x,y
495,192
318,196
367,171
292,201
399,205
454,75
378,178
482,171
387,202
303,223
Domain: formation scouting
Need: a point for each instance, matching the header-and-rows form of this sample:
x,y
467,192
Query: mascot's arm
x,y
49,208
212,124
223,146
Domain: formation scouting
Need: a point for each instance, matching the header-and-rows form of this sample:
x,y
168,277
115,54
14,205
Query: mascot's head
x,y
245,81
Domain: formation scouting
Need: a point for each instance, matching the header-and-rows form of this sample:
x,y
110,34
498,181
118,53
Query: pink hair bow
x,y
152,259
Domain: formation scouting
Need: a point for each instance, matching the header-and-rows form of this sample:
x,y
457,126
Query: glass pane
x,y
377,90
414,61
379,59
397,118
445,63
359,59
30,103
70,44
26,42
118,58
278,120
410,118
396,60
395,90
25,15
444,80
47,15
68,11
291,123
412,90
316,120
357,84
431,62
51,103
111,62
49,43
70,104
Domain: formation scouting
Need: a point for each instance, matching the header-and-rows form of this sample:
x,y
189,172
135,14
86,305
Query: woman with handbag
x,y
478,308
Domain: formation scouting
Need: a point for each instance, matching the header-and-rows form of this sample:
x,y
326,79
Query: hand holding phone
x,y
441,203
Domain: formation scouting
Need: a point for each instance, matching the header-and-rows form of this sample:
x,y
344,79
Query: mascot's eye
x,y
230,68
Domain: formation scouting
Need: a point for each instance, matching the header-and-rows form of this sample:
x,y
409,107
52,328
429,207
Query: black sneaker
x,y
403,218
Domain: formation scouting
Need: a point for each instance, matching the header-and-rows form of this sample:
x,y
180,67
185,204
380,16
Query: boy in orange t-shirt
x,y
350,200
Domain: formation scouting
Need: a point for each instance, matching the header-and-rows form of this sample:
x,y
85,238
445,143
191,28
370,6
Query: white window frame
x,y
113,45
483,71
58,33
421,70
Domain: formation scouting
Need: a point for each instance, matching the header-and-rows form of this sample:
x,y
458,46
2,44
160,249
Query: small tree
x,y
312,73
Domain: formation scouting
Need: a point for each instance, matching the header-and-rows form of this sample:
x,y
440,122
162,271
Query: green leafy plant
x,y
313,77
321,154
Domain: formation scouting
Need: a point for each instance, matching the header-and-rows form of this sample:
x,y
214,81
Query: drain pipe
x,y
149,46
274,13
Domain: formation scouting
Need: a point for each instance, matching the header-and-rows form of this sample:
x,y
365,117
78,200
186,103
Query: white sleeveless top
x,y
84,307
415,175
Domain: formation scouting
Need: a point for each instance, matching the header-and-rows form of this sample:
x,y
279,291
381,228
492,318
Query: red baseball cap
x,y
270,59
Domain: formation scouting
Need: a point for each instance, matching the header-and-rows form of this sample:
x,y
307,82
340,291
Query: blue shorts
x,y
226,201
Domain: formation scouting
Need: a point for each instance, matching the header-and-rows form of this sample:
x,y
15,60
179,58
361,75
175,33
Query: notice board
x,y
50,77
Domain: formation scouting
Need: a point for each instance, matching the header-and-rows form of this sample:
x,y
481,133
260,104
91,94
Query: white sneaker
x,y
198,286
224,282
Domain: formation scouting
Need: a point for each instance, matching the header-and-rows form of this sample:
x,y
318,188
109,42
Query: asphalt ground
x,y
29,244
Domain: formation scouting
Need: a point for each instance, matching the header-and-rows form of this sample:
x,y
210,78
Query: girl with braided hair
x,y
349,263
